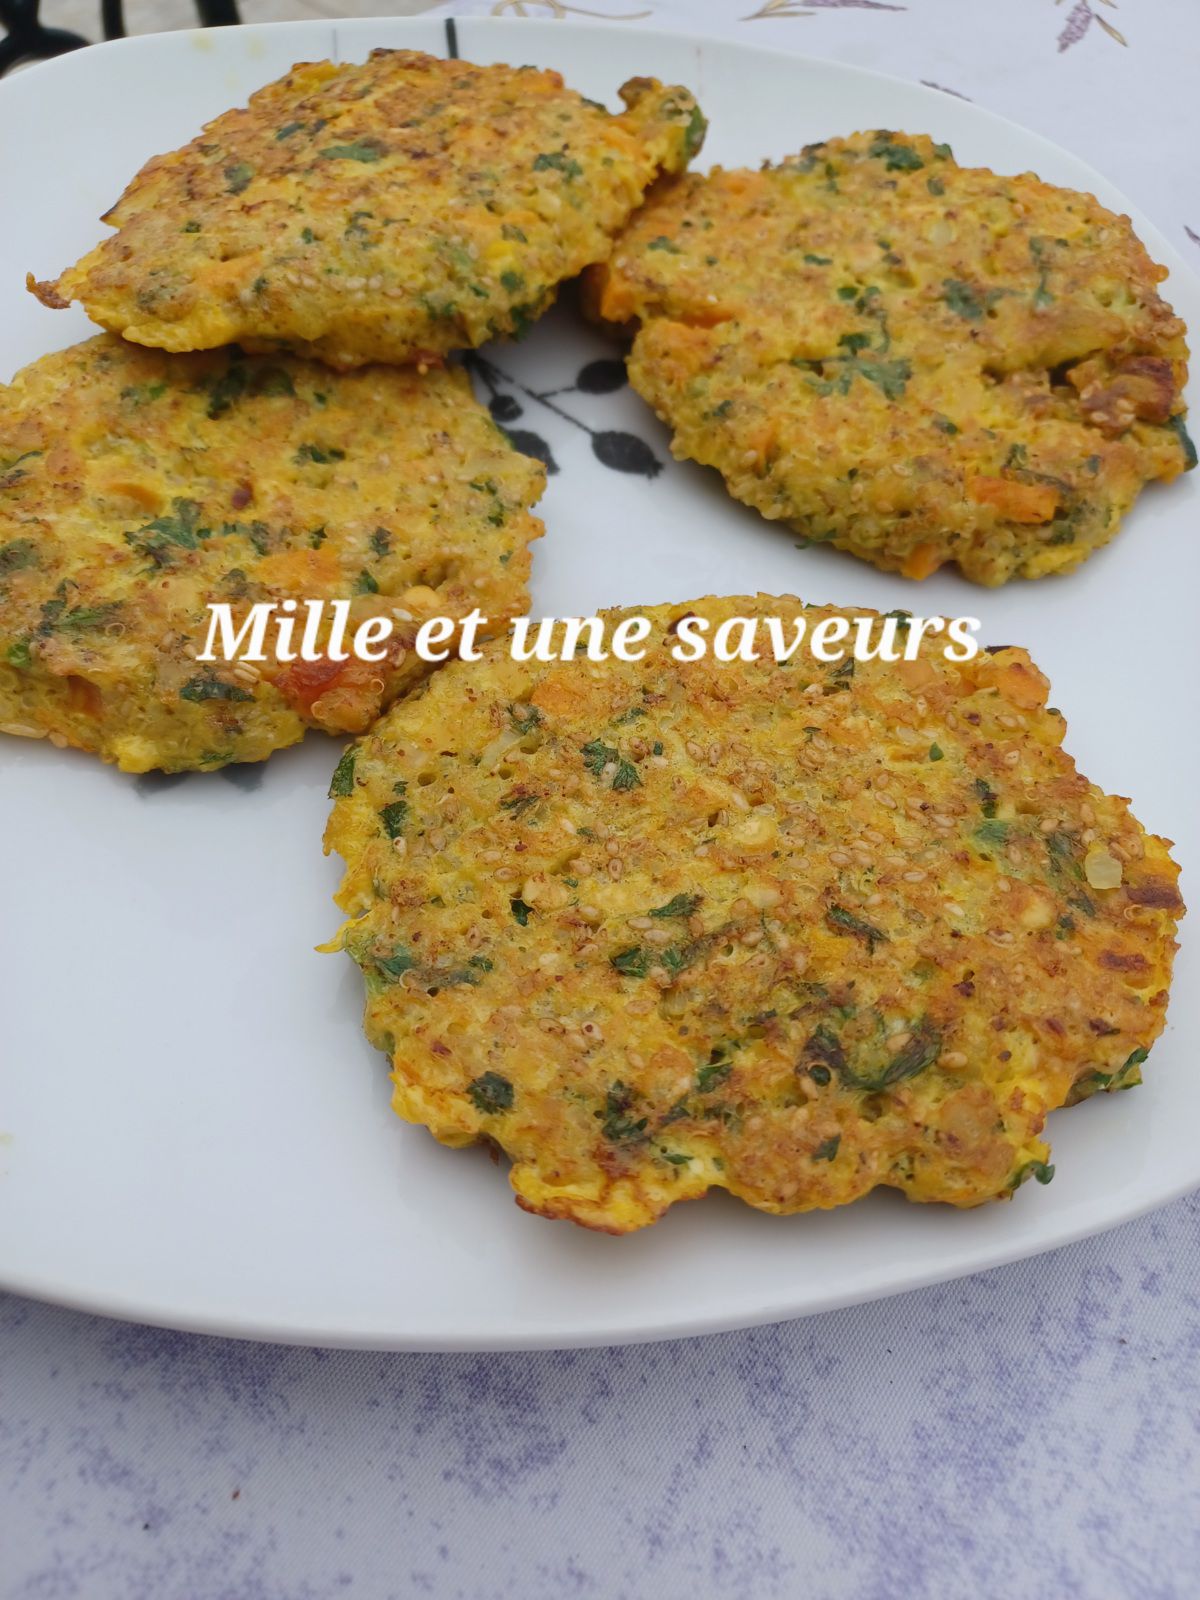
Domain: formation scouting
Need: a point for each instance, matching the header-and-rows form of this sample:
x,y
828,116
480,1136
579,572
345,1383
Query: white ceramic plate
x,y
194,1131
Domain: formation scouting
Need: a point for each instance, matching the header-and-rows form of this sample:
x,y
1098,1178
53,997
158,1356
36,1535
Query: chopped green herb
x,y
680,905
935,752
616,1123
1127,1076
558,161
226,389
1037,1169
398,963
366,150
205,688
896,157
693,136
18,654
818,261
965,300
987,797
631,963
843,921
394,816
366,583
491,1093
992,832
524,718
663,243
80,617
597,756
1179,428
1041,295
321,454
521,911
519,804
142,394
238,176
827,1149
712,1074
342,782
922,1050
16,555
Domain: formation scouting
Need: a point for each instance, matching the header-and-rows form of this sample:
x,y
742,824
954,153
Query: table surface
x,y
1030,1431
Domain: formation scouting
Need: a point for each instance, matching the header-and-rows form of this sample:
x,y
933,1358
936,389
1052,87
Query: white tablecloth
x,y
1031,1432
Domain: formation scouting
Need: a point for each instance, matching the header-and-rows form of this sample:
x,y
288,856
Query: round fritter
x,y
791,930
915,361
138,487
389,211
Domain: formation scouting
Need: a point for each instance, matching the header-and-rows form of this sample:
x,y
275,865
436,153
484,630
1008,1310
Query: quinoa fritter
x,y
917,362
390,211
790,930
137,487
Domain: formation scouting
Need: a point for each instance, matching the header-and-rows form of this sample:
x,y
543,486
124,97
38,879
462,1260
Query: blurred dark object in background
x,y
28,39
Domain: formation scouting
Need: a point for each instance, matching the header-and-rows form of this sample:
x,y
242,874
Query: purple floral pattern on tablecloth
x,y
1083,14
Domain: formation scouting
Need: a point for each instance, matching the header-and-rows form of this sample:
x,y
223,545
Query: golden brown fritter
x,y
138,487
790,930
914,361
390,211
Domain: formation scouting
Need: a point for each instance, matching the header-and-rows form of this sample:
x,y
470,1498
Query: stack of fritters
x,y
361,214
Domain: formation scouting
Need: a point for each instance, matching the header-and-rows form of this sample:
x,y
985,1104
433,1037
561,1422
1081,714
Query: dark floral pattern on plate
x,y
613,448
